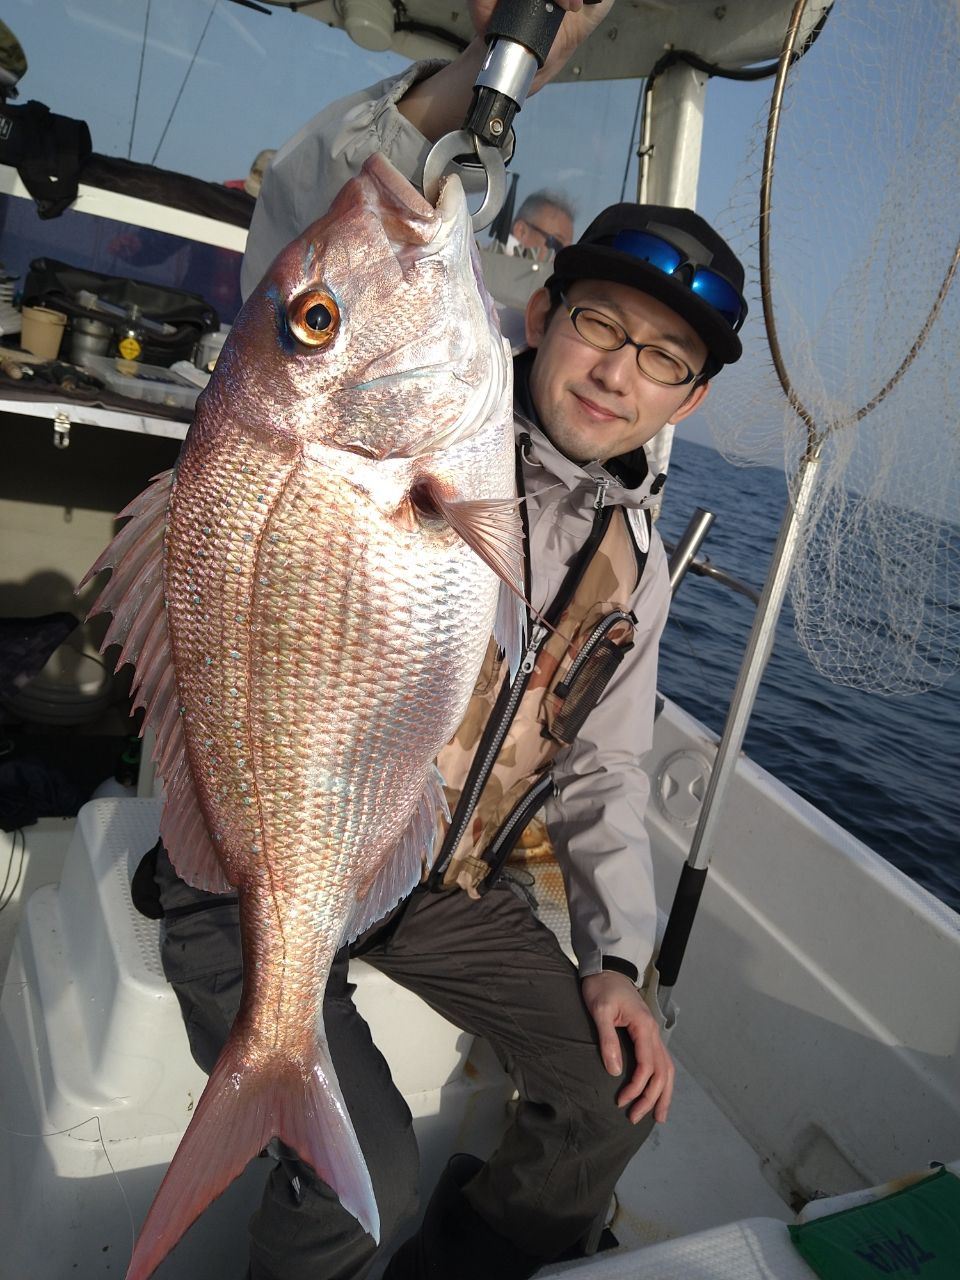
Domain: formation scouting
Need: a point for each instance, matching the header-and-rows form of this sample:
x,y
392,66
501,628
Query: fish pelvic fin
x,y
241,1109
405,865
134,595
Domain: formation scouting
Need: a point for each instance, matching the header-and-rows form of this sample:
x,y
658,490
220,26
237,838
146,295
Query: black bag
x,y
56,284
47,150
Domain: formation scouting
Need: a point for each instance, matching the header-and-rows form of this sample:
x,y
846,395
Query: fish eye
x,y
314,318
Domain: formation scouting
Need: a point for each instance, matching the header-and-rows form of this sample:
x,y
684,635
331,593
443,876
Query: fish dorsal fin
x,y
403,869
134,595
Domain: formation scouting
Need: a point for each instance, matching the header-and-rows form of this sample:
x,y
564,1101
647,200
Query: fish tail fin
x,y
314,1121
239,1111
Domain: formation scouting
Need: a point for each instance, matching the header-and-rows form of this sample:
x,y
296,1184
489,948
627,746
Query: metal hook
x,y
461,144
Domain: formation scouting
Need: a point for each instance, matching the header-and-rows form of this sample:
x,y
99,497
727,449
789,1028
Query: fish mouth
x,y
395,192
415,228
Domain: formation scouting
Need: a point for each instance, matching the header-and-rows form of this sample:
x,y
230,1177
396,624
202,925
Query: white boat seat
x,y
97,1082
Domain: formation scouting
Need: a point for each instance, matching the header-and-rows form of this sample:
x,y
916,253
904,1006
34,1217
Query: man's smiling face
x,y
596,404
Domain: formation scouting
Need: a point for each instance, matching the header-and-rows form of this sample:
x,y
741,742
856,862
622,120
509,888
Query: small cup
x,y
41,331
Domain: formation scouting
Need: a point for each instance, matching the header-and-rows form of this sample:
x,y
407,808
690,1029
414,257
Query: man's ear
x,y
535,318
693,401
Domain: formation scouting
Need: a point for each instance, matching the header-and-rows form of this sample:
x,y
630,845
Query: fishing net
x,y
863,247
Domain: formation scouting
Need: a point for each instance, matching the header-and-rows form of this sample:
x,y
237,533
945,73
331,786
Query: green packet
x,y
912,1232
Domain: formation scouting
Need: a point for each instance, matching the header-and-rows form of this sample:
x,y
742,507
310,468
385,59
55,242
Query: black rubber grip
x,y
682,913
532,23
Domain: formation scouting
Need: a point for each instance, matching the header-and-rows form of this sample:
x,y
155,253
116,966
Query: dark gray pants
x,y
488,966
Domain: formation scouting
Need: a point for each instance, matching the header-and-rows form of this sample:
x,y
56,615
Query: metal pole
x,y
694,873
693,535
741,707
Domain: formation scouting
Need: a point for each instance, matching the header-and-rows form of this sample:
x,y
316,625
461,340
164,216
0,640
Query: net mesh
x,y
864,227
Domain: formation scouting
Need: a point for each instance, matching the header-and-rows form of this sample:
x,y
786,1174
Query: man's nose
x,y
616,369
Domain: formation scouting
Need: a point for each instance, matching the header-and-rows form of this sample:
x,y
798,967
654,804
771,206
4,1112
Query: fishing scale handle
x,y
519,37
532,23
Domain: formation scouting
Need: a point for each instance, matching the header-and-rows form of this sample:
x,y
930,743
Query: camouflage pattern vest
x,y
496,769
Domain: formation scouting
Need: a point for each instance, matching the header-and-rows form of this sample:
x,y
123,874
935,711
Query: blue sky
x,y
257,78
203,97
217,82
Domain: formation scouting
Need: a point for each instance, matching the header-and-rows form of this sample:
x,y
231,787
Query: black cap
x,y
593,257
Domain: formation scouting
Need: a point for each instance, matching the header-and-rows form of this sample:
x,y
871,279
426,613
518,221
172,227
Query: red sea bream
x,y
307,598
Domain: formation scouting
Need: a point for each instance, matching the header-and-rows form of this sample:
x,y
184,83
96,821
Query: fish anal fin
x,y
239,1111
403,869
183,827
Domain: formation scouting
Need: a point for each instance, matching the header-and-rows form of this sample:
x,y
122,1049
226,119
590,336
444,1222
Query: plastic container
x,y
88,337
209,348
41,331
149,382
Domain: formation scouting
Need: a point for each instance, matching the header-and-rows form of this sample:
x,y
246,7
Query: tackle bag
x,y
56,285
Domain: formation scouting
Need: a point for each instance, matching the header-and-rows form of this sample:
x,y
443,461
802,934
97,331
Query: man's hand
x,y
613,1001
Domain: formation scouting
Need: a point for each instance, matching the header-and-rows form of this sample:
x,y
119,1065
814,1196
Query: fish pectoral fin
x,y
239,1111
404,867
494,530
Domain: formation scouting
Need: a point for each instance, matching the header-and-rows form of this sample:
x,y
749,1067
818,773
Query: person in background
x,y
542,227
633,322
252,182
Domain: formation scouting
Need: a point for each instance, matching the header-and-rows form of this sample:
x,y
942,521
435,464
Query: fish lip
x,y
397,190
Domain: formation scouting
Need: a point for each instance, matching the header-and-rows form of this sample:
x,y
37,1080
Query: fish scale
x,y
321,571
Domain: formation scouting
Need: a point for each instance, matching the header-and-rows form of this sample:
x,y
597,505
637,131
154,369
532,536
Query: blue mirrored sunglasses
x,y
711,287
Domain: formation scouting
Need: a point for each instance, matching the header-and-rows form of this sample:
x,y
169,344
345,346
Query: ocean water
x,y
886,768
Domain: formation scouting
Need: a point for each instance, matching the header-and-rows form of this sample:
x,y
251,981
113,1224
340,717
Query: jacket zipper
x,y
500,720
594,638
527,805
492,748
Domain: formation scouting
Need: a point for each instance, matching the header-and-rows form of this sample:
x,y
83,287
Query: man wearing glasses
x,y
542,227
638,315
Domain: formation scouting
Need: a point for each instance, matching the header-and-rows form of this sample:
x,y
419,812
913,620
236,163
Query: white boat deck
x,y
694,1173
807,1066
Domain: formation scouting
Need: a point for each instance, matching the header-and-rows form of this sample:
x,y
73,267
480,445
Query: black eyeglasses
x,y
552,243
608,335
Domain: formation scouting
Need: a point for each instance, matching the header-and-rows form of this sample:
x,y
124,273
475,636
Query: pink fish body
x,y
307,598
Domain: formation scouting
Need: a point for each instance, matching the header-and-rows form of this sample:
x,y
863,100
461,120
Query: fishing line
x,y
56,1133
708,692
183,84
136,101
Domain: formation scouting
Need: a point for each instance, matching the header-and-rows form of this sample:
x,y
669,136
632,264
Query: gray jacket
x,y
596,818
